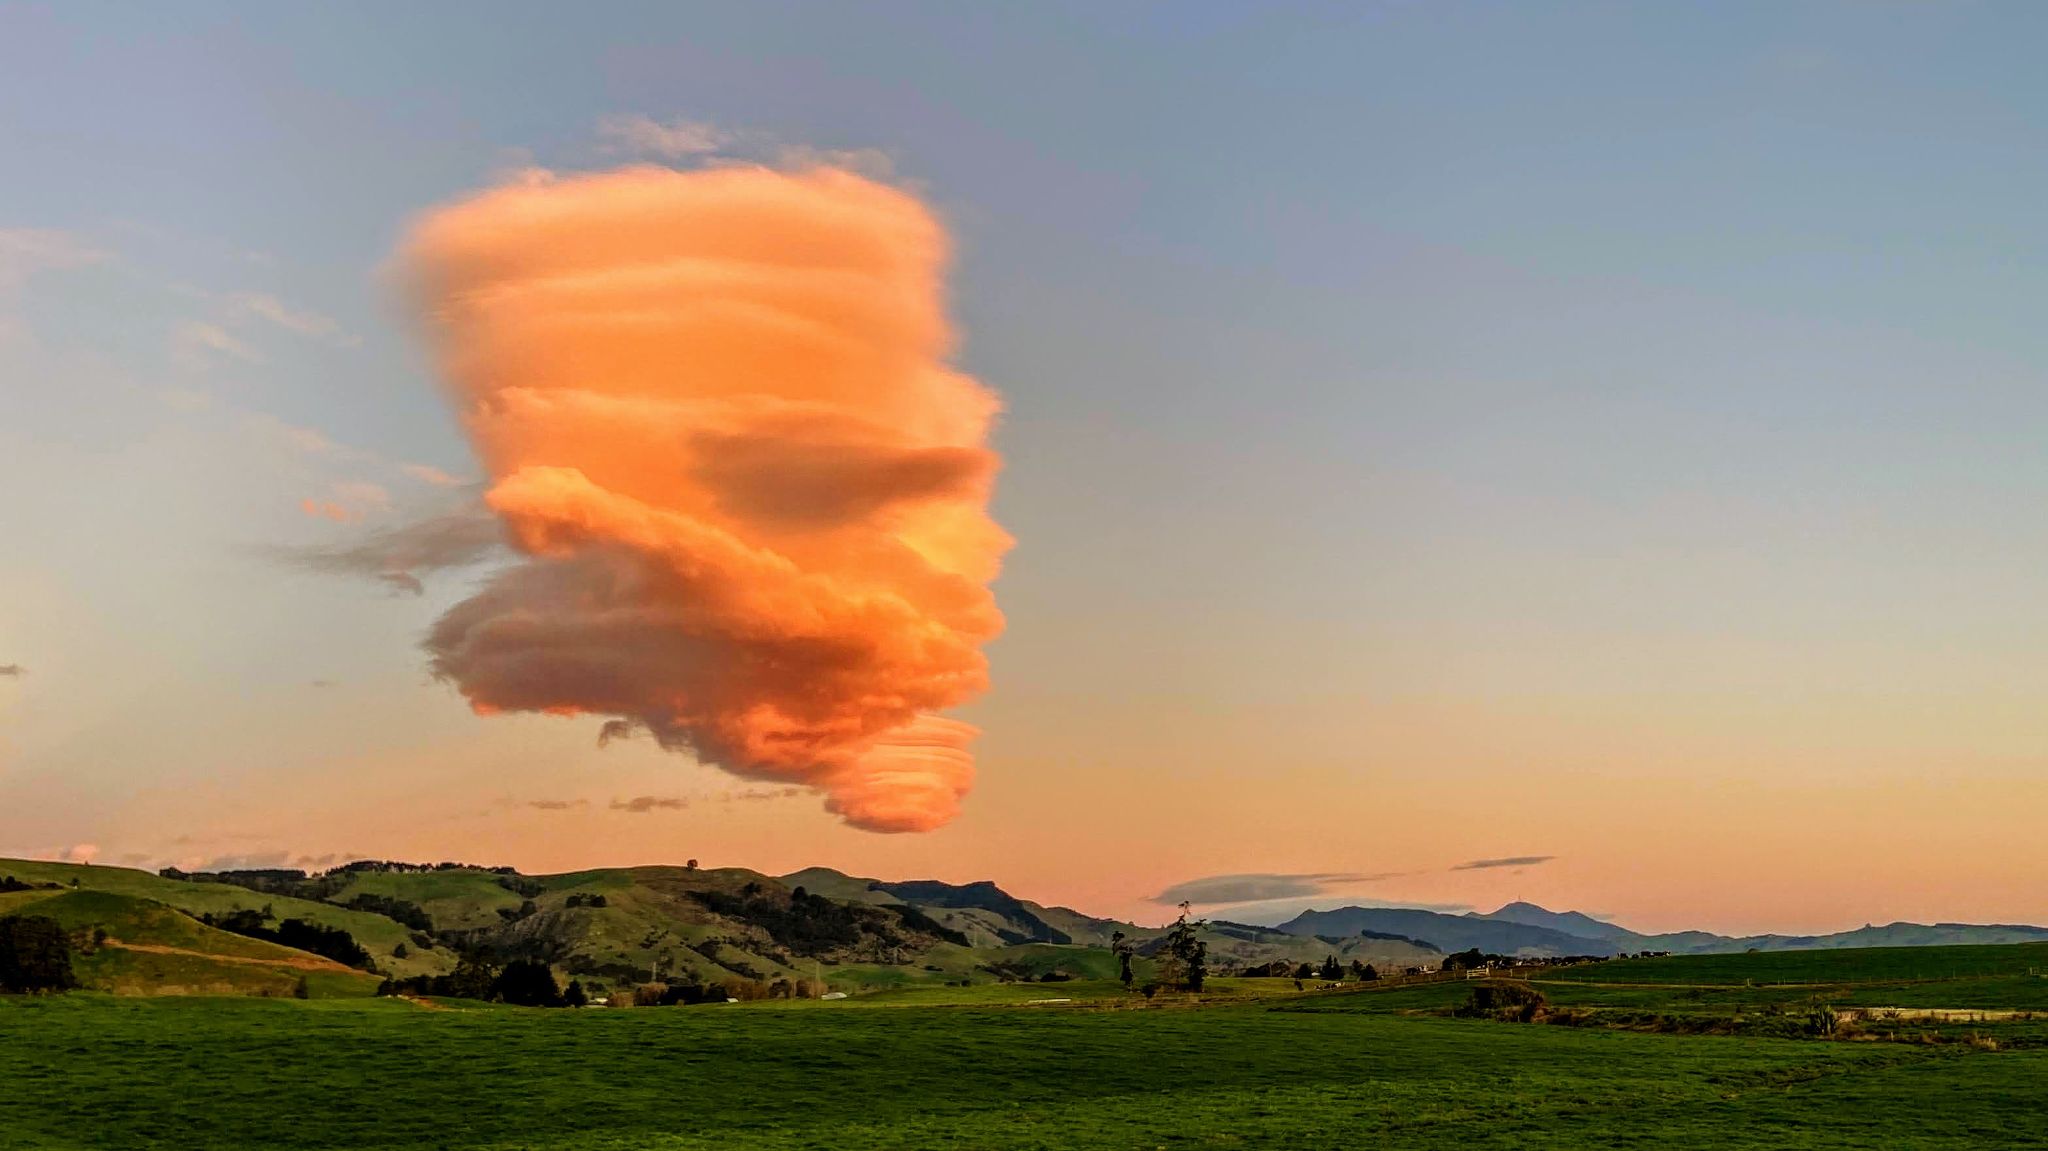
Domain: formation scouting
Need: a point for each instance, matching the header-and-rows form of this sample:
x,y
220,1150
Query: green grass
x,y
1848,965
93,1072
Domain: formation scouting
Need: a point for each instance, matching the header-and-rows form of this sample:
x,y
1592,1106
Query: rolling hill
x,y
618,927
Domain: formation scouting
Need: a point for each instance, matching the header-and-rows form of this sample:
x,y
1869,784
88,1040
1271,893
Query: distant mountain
x,y
1569,922
1706,942
1449,932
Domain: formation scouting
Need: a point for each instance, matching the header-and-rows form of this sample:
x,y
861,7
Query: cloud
x,y
559,804
79,853
1504,861
24,252
242,306
760,795
428,474
322,683
645,136
641,804
1269,913
397,556
247,861
1260,886
194,341
12,671
748,491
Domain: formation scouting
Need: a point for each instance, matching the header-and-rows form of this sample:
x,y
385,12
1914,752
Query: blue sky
x,y
1618,406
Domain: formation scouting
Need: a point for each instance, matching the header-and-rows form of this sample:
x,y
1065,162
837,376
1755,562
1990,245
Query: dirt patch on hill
x,y
296,963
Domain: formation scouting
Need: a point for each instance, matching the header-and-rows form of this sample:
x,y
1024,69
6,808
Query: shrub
x,y
1507,1001
35,955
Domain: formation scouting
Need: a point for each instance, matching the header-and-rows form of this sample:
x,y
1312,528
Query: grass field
x,y
1834,966
95,1072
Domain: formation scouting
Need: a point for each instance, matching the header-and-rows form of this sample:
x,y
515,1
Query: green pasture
x,y
100,1072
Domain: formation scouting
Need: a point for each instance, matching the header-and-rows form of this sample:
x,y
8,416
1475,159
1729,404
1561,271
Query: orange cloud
x,y
751,494
327,510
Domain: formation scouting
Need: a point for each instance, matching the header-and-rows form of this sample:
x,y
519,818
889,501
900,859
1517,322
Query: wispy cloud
x,y
641,804
26,251
1503,861
1217,889
12,671
243,306
397,556
194,342
646,136
557,804
428,474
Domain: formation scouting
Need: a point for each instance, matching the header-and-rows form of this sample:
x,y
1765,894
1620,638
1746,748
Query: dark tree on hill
x,y
1304,971
575,996
1331,970
35,955
1363,972
1120,946
527,984
1183,958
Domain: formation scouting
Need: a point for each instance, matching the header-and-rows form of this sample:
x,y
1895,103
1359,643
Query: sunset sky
x,y
1451,453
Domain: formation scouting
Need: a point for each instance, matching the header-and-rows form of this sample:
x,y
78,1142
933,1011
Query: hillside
x,y
378,934
133,946
619,927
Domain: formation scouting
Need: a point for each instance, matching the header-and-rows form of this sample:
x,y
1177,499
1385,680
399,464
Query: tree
x,y
1120,946
1184,958
575,996
1304,972
35,955
690,865
1363,972
1331,970
528,984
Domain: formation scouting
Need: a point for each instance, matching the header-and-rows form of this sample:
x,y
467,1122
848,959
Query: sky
x,y
1451,453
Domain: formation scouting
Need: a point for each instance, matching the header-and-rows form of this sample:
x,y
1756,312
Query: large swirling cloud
x,y
747,489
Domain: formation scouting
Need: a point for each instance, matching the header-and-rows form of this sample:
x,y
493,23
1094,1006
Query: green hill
x,y
378,934
133,946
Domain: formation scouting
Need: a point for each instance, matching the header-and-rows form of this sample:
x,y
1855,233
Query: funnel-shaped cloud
x,y
750,494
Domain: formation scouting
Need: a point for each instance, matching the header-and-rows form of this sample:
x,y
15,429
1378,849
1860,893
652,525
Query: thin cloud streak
x,y
1504,861
1220,889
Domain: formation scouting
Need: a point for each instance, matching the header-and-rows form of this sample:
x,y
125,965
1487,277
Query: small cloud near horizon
x,y
1219,889
1504,861
557,804
12,671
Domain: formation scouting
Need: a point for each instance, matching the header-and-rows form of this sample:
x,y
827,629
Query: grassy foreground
x,y
105,1072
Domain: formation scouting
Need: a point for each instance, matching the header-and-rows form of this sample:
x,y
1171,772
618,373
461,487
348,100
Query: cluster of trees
x,y
9,883
520,885
403,910
1331,969
35,955
523,982
692,993
578,899
330,942
810,925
